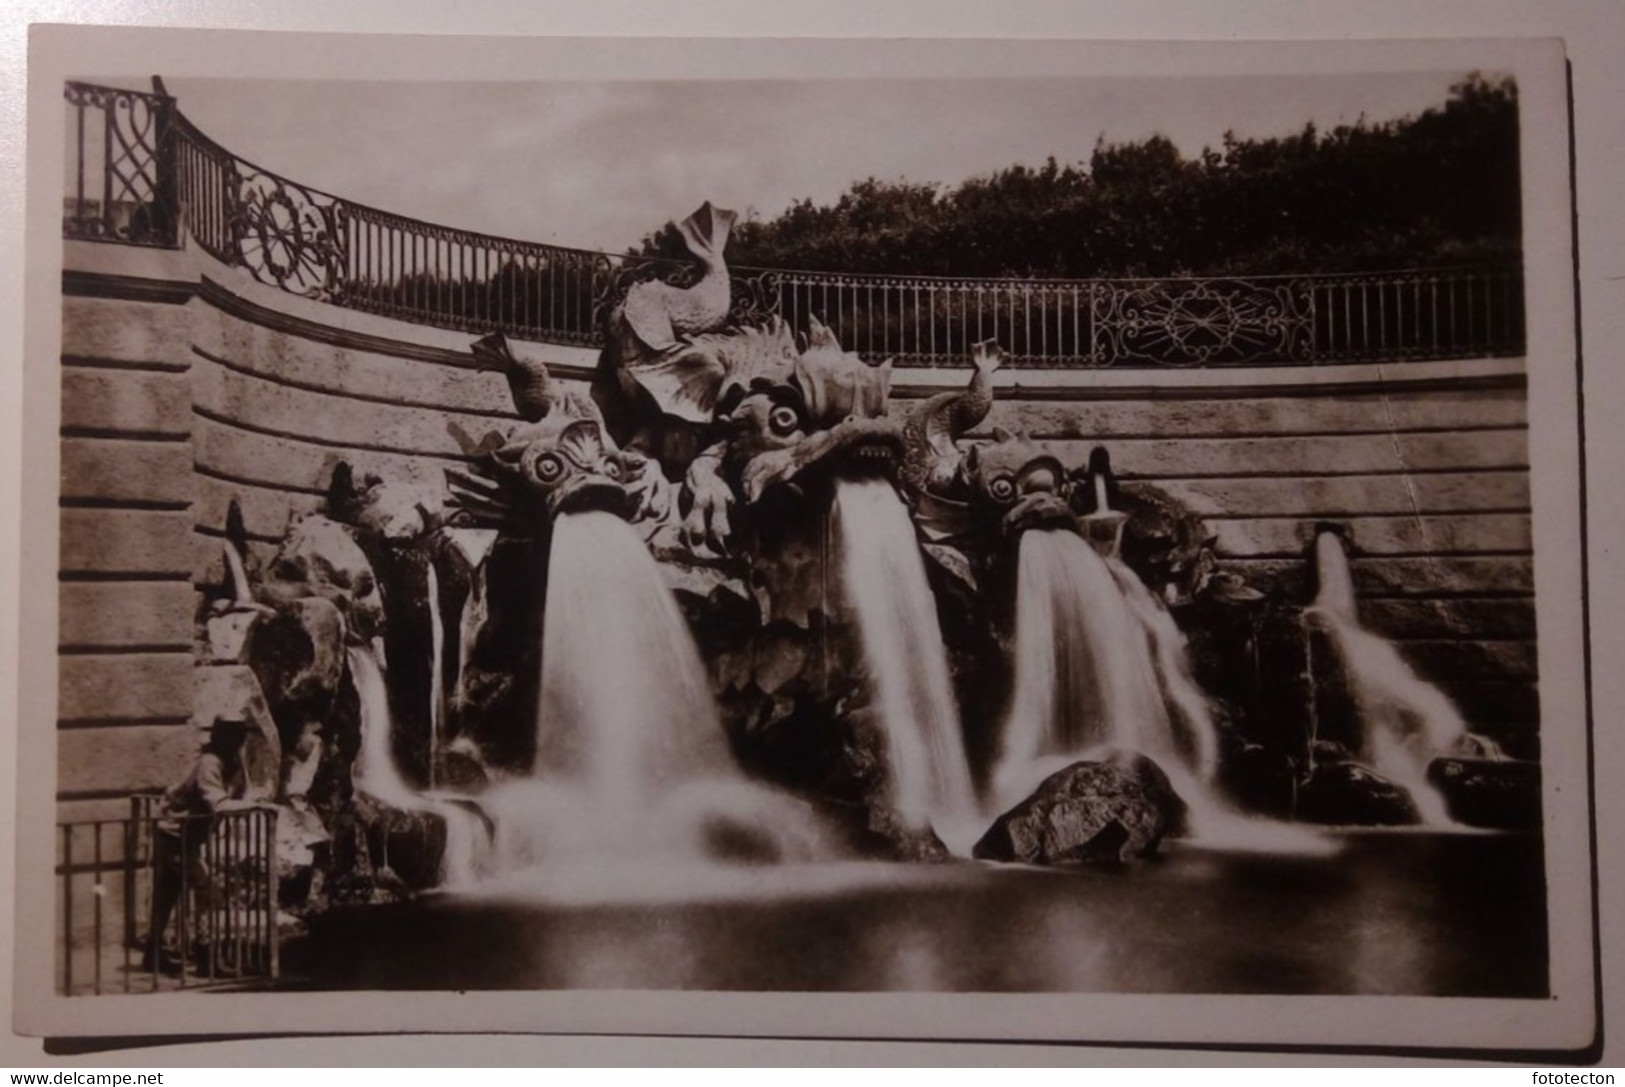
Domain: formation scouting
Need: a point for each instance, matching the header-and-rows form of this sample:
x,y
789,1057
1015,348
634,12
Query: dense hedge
x,y
1440,188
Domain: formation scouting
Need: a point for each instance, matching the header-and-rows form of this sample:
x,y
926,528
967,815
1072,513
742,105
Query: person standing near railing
x,y
216,783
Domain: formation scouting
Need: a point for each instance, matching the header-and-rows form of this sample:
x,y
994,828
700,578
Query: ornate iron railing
x,y
323,247
121,182
1415,315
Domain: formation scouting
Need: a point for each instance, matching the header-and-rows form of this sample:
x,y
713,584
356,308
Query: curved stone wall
x,y
127,558
186,384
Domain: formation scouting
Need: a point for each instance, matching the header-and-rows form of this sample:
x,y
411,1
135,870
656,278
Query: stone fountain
x,y
733,604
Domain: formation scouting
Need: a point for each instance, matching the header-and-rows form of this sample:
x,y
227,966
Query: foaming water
x,y
1406,721
625,706
376,773
632,765
1102,666
885,583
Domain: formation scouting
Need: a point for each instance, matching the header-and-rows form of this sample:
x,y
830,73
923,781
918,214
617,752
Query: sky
x,y
598,165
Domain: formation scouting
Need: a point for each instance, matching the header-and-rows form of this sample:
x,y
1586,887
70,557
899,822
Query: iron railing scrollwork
x,y
1203,321
121,180
159,172
756,296
287,235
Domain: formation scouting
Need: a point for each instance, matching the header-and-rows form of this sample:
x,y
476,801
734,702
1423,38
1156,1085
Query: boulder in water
x,y
1103,811
463,767
1347,793
1498,794
892,839
734,842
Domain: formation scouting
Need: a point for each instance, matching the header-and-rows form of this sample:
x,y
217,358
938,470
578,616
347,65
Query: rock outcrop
x,y
1110,810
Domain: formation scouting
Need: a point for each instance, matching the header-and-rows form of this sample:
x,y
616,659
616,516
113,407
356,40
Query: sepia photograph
x,y
747,533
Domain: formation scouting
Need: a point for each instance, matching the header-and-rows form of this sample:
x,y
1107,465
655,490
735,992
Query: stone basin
x,y
1394,912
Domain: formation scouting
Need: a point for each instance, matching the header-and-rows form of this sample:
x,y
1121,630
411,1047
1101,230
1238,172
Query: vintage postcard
x,y
988,540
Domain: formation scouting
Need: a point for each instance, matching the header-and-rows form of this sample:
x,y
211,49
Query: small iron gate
x,y
220,871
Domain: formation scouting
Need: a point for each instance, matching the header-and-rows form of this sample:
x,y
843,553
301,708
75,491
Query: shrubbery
x,y
1438,189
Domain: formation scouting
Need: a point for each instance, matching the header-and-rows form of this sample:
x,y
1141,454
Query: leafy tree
x,y
1440,188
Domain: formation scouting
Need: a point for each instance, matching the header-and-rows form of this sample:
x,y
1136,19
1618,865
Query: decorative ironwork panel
x,y
755,296
287,236
121,182
1197,322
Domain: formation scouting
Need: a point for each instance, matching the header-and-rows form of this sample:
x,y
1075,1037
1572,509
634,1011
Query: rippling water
x,y
1392,913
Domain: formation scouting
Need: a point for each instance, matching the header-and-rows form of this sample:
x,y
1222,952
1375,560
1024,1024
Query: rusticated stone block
x,y
134,758
99,613
125,331
126,541
139,686
1351,496
1089,419
142,402
132,471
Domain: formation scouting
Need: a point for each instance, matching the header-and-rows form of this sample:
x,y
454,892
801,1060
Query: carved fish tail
x,y
531,388
492,353
706,232
969,407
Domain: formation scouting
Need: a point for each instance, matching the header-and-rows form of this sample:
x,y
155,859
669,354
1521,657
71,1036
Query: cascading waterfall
x,y
1406,721
632,763
437,669
376,773
1195,736
1098,663
885,583
1101,664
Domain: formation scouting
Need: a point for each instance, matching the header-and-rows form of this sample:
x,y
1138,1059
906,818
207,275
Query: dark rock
x,y
463,767
734,842
303,851
1257,778
1335,712
1499,794
1345,793
297,655
1164,542
410,844
494,699
1106,811
891,839
372,888
1327,752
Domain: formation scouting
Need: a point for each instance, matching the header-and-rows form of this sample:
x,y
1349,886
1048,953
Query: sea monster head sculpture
x,y
562,461
796,410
